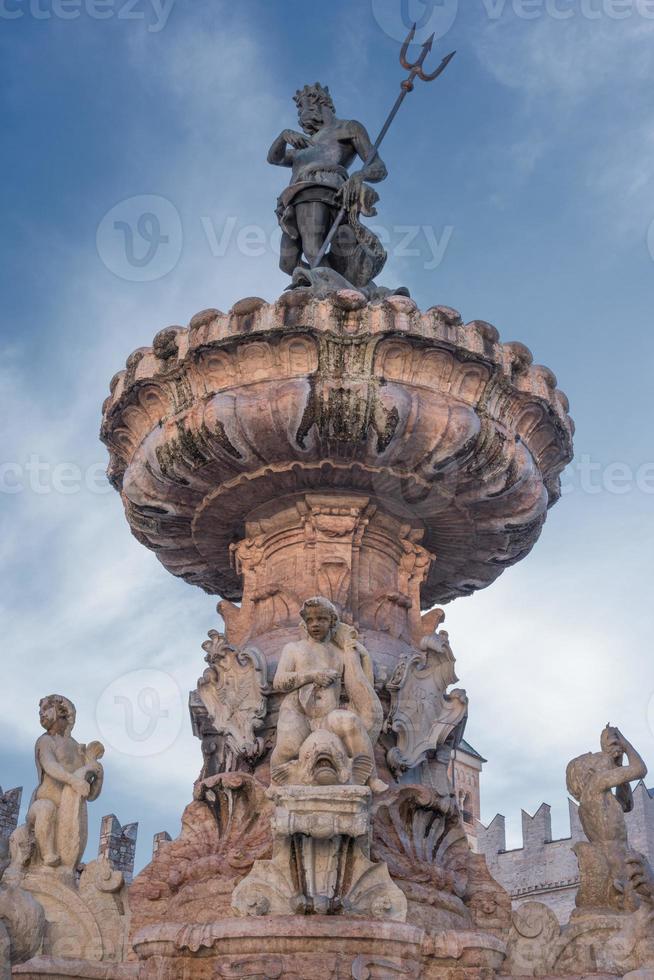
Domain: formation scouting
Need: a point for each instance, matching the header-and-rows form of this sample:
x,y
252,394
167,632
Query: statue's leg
x,y
352,733
313,222
290,254
342,251
292,729
43,816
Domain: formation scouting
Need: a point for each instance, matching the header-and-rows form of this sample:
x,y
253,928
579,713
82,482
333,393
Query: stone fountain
x,y
334,465
383,458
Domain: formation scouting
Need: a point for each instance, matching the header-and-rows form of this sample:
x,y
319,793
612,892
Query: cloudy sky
x,y
520,192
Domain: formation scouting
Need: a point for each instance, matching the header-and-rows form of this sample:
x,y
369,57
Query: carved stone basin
x,y
427,446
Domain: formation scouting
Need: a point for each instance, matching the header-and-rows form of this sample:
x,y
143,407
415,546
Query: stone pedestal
x,y
320,862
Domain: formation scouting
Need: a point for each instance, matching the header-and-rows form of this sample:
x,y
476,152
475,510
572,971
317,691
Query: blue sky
x,y
525,176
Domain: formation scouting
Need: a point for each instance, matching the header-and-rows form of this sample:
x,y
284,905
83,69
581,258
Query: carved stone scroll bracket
x,y
534,941
613,944
230,706
85,921
22,928
320,862
423,715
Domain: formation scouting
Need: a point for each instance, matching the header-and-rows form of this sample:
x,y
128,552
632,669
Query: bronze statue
x,y
319,159
324,245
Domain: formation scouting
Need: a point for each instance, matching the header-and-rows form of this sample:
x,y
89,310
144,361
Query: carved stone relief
x,y
423,715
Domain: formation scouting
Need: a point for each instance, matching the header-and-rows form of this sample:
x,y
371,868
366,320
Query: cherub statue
x,y
319,158
56,830
313,673
606,863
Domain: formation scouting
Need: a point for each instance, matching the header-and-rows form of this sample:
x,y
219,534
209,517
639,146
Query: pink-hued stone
x,y
385,459
49,967
430,420
316,947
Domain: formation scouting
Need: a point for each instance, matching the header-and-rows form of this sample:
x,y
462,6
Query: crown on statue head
x,y
317,92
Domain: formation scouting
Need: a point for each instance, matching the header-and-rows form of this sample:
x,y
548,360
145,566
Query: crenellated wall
x,y
9,810
118,845
546,870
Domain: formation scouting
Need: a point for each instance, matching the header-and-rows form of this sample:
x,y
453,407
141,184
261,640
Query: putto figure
x,y
69,774
611,871
315,735
320,157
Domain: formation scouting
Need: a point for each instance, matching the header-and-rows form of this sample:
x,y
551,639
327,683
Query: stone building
x,y
546,870
466,768
118,845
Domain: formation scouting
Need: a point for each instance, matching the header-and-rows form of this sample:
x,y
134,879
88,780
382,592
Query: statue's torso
x,y
329,153
68,753
313,701
603,819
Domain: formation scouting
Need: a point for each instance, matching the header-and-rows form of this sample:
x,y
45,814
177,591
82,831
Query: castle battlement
x,y
546,870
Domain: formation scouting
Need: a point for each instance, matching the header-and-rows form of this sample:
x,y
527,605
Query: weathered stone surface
x,y
56,831
85,914
191,880
381,459
612,926
604,860
418,832
314,948
69,969
118,845
417,412
546,870
229,706
324,667
9,810
319,864
22,927
425,716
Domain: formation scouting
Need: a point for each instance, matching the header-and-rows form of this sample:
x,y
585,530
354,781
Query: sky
x,y
520,192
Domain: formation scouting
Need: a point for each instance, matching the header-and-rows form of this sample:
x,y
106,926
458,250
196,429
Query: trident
x,y
415,71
